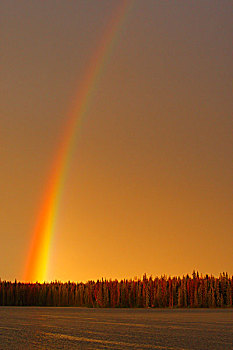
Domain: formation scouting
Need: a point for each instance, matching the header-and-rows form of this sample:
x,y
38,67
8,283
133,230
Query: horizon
x,y
134,279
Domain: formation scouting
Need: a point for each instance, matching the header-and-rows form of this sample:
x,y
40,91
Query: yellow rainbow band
x,y
39,252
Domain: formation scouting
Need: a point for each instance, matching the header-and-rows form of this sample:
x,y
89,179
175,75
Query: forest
x,y
160,292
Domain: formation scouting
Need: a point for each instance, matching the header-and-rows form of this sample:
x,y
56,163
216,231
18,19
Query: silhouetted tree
x,y
170,292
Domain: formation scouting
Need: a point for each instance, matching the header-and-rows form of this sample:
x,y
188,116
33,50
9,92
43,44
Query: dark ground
x,y
81,328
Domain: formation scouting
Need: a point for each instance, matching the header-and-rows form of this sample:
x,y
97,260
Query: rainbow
x,y
39,251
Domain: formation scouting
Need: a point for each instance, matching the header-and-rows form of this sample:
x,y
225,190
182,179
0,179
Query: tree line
x,y
160,292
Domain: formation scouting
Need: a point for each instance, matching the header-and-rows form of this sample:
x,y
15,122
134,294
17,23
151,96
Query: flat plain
x,y
82,328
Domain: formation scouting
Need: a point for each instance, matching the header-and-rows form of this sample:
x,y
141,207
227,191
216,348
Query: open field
x,y
82,328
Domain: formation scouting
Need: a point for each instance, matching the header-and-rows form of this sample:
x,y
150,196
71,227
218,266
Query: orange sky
x,y
150,184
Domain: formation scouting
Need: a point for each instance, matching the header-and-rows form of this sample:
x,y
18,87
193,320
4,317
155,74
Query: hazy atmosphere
x,y
149,182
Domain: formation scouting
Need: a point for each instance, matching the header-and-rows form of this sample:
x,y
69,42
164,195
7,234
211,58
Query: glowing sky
x,y
150,184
